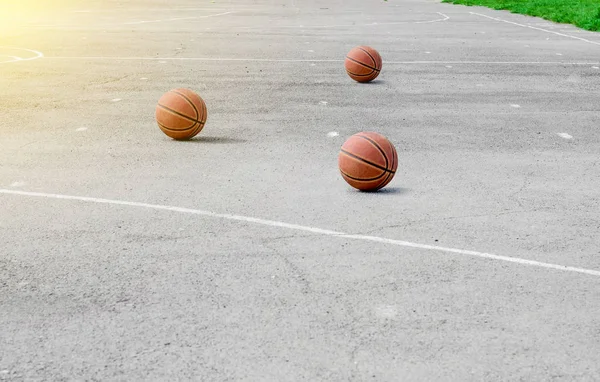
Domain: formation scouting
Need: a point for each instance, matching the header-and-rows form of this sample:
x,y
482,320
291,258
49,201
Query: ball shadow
x,y
215,140
386,190
374,83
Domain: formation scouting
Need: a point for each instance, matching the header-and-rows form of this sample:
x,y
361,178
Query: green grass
x,y
582,13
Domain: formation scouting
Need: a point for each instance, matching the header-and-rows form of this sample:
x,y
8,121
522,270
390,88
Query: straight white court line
x,y
536,28
176,19
115,58
164,10
374,24
296,227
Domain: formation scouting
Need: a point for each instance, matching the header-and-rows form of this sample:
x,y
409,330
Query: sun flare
x,y
16,15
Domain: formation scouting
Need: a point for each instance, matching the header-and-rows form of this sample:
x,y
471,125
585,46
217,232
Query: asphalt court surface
x,y
242,254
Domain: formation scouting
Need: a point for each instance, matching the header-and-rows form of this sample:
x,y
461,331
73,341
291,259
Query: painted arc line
x,y
445,18
116,58
20,59
536,28
315,230
9,61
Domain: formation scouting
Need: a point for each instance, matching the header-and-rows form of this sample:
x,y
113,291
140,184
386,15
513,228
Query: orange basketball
x,y
368,161
181,114
363,64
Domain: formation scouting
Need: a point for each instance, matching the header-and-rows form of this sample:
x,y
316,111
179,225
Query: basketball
x,y
181,114
363,64
368,161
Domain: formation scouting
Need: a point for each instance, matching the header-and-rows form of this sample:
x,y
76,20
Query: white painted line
x,y
595,67
444,18
323,102
311,51
536,28
515,106
318,231
81,129
449,66
36,53
144,78
224,59
176,19
559,54
115,100
564,135
333,134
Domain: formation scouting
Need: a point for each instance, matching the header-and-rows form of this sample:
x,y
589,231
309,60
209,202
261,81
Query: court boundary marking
x,y
176,19
223,59
536,28
374,24
141,22
315,230
38,55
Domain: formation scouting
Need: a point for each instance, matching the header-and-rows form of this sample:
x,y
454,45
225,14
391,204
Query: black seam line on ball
x,y
370,55
178,113
363,179
359,75
377,147
179,130
190,101
362,64
366,161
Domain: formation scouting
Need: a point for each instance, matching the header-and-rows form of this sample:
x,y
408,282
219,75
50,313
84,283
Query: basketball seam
x,y
370,55
178,113
360,75
362,179
390,175
198,129
362,64
365,161
190,102
177,130
204,111
377,147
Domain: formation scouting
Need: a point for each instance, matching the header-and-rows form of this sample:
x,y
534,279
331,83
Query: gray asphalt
x,y
111,292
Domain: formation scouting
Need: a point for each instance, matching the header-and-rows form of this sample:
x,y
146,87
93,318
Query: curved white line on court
x,y
19,59
444,18
536,28
12,59
296,227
